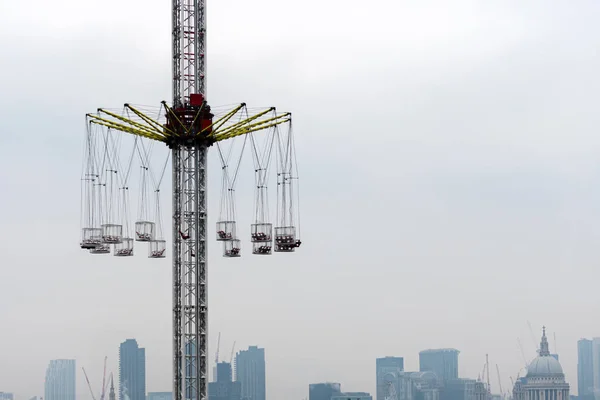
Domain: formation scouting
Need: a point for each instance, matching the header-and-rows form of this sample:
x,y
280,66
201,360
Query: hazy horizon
x,y
449,174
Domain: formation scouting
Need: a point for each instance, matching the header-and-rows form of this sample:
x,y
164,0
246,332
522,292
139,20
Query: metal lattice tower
x,y
190,298
188,129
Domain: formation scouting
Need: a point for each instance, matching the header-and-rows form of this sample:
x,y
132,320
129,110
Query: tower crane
x,y
188,127
499,380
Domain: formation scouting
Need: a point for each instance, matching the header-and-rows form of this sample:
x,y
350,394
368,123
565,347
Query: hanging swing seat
x,y
157,249
261,232
144,231
101,249
225,230
261,248
231,248
125,248
112,233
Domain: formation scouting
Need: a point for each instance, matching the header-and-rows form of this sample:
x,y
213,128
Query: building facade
x,y
6,396
585,369
224,388
160,396
132,371
387,370
459,389
442,362
250,371
60,380
545,379
352,396
324,391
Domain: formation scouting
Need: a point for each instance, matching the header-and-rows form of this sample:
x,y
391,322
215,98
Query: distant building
x,y
224,388
324,391
6,396
424,385
545,379
160,396
585,369
60,380
132,370
250,372
352,396
443,362
459,389
387,369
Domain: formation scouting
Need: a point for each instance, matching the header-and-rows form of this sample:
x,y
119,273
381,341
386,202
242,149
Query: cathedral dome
x,y
544,365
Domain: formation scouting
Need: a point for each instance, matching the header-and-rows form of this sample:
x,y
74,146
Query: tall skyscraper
x,y
6,396
387,371
224,388
132,370
585,369
443,362
250,372
60,380
352,396
323,391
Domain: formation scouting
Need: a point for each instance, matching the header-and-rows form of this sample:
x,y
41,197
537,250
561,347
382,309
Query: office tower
x,y
60,380
250,372
585,369
443,362
323,391
6,396
160,396
132,370
224,388
352,396
387,371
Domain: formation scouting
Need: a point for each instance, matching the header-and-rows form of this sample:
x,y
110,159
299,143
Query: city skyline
x,y
475,159
383,365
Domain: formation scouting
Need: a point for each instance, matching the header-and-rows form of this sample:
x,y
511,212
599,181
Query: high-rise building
x,y
352,396
388,371
324,391
60,380
224,388
585,369
6,396
250,372
160,396
132,370
443,362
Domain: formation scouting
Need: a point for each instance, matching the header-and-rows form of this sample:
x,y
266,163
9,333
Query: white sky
x,y
449,159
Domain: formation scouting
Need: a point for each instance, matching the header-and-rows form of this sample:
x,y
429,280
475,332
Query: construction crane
x,y
188,127
88,383
104,382
232,352
499,380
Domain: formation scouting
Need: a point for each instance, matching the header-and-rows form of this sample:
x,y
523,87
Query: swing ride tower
x,y
189,129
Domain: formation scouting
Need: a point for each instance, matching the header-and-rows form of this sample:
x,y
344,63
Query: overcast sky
x,y
450,179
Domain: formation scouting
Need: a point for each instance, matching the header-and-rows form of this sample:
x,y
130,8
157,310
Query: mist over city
x,y
317,200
